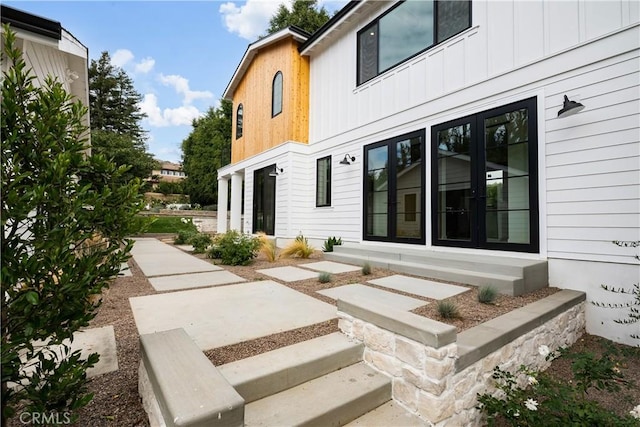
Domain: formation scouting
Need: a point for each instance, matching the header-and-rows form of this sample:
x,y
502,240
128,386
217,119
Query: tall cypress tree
x,y
207,148
116,131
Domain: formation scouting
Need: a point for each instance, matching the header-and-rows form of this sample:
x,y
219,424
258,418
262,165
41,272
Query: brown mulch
x,y
116,401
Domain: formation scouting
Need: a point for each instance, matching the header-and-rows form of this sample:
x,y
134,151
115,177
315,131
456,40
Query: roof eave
x,y
296,33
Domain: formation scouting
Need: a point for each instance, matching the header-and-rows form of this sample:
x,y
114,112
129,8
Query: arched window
x,y
276,99
239,117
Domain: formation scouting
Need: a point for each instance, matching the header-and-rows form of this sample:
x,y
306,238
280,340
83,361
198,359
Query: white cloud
x,y
121,57
181,86
145,65
183,115
249,20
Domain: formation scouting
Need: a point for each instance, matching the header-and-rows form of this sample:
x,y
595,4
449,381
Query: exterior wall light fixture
x,y
569,108
347,159
276,171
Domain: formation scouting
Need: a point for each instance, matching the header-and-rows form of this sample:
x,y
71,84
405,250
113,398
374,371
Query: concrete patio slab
x,y
363,292
331,267
160,259
289,274
219,316
195,280
97,340
422,287
125,270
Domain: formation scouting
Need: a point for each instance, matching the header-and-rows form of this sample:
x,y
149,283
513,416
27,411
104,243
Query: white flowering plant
x,y
546,401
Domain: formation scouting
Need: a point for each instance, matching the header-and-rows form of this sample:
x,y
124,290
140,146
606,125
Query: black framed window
x,y
323,182
406,30
239,121
276,95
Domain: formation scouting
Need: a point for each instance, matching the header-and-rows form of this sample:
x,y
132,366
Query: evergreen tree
x,y
304,14
207,148
115,119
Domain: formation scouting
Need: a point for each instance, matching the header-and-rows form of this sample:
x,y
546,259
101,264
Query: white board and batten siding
x,y
589,163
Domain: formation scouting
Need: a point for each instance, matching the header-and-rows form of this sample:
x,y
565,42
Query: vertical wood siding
x,y
260,130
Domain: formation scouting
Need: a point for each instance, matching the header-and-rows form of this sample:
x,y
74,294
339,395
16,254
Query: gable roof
x,y
298,34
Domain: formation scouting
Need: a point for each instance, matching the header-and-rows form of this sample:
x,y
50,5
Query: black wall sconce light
x,y
276,171
347,159
569,108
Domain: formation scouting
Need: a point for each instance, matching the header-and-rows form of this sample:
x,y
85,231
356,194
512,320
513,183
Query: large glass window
x,y
239,120
323,182
276,98
406,30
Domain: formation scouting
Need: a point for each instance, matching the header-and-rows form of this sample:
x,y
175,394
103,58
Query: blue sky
x,y
180,54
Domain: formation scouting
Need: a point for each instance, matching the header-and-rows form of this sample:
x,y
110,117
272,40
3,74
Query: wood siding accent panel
x,y
261,131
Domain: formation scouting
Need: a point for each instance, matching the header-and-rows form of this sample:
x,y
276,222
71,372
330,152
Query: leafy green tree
x,y
207,148
116,131
304,14
65,218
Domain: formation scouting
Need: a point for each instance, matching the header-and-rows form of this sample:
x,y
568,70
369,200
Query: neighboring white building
x,y
50,50
474,107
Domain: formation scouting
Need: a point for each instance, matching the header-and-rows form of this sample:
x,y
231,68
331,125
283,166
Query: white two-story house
x,y
506,128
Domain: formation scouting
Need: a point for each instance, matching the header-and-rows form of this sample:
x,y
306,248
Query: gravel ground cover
x,y
116,401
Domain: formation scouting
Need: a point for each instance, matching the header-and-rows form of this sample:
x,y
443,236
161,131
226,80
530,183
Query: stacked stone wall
x,y
425,380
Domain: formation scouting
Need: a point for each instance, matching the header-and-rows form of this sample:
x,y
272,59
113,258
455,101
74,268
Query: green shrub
x,y
183,236
200,242
487,294
66,218
366,269
234,248
448,309
550,402
324,277
300,247
330,243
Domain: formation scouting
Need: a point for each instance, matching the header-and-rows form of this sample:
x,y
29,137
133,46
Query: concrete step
x,y
334,399
272,372
388,414
511,276
507,265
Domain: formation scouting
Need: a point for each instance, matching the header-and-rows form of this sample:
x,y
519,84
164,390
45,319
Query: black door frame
x,y
259,194
392,204
478,189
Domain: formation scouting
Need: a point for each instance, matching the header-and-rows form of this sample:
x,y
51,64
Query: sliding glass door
x,y
484,180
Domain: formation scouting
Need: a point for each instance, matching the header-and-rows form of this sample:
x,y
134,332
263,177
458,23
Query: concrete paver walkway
x,y
369,293
288,274
422,287
160,259
195,280
331,267
224,315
